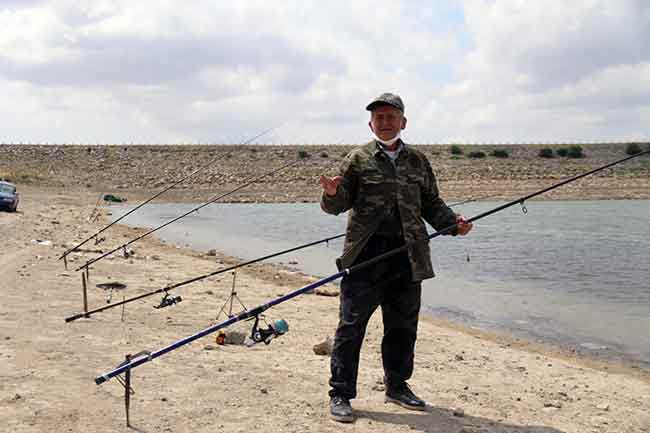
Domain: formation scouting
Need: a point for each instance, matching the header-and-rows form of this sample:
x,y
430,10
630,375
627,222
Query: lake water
x,y
574,274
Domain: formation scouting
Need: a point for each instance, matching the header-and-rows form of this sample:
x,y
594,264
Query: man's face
x,y
386,121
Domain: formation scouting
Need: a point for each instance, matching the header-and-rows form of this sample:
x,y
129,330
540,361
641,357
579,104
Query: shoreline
x,y
498,386
604,360
615,363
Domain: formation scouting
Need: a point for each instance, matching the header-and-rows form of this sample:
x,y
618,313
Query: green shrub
x,y
546,152
562,151
500,153
303,154
476,154
575,152
456,150
632,148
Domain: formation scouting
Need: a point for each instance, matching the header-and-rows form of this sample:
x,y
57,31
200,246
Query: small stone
x,y
553,403
212,253
237,338
264,391
603,406
210,347
326,291
459,358
324,348
459,412
163,399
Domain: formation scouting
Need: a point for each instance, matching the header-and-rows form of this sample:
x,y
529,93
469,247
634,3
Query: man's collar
x,y
401,146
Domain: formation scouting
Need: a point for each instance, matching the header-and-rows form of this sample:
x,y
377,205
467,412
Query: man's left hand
x,y
464,226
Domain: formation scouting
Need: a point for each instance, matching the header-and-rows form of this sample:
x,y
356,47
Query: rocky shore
x,y
138,170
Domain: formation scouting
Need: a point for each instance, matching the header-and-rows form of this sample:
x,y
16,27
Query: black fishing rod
x,y
145,357
166,289
201,168
196,209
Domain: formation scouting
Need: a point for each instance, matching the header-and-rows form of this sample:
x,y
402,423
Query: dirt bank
x,y
138,171
48,366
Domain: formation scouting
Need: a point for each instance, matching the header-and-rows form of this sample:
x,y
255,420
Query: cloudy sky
x,y
157,71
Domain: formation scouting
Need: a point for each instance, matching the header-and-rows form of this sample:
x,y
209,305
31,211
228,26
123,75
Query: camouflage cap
x,y
386,99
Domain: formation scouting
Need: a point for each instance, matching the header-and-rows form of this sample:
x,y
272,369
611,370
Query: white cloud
x,y
168,71
550,71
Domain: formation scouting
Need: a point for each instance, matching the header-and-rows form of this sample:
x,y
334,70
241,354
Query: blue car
x,y
8,196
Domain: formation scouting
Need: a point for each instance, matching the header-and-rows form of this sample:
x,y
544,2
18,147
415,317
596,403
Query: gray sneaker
x,y
340,409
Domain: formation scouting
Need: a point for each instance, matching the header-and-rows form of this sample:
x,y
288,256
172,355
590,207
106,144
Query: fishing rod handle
x,y
75,317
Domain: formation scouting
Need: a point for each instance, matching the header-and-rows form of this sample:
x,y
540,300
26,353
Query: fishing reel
x,y
266,335
168,300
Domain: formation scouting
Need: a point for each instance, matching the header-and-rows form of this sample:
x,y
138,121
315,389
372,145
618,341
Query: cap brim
x,y
375,104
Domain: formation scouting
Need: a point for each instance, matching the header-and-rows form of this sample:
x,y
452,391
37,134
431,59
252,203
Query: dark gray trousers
x,y
387,285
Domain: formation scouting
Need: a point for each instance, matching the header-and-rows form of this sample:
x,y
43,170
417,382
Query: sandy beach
x,y
473,382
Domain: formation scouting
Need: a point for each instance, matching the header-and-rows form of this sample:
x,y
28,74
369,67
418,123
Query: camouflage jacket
x,y
371,187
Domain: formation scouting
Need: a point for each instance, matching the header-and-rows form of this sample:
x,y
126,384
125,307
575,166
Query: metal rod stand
x,y
127,392
85,293
231,299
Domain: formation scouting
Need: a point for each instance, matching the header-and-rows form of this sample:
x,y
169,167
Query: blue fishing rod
x,y
271,332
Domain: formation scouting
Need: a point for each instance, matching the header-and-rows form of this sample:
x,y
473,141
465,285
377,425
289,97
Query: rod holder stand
x,y
85,293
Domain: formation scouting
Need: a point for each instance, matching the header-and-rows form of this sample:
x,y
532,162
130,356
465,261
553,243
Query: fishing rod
x,y
254,313
196,209
167,288
201,168
472,199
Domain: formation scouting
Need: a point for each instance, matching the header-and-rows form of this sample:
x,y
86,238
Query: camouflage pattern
x,y
371,187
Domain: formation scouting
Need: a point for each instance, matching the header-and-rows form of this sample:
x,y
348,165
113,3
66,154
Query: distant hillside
x,y
138,169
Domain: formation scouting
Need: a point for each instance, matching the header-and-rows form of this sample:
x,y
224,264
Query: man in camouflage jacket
x,y
388,188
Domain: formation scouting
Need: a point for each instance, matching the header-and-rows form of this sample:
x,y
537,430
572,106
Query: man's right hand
x,y
330,184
